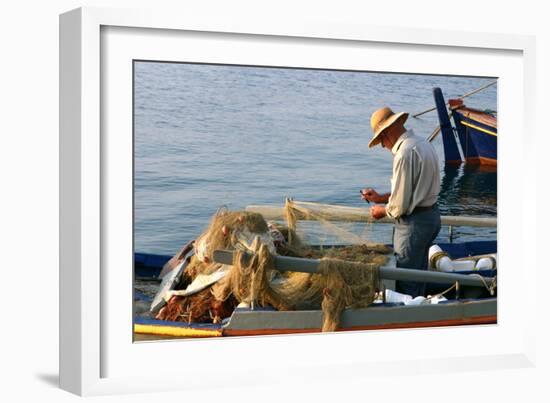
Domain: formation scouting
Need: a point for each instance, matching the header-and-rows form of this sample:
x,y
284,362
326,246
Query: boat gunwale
x,y
451,313
477,116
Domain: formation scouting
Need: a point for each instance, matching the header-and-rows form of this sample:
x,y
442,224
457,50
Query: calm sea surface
x,y
212,136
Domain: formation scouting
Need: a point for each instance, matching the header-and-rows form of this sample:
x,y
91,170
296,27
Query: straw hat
x,y
381,120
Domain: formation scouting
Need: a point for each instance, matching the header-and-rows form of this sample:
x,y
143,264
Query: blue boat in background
x,y
476,131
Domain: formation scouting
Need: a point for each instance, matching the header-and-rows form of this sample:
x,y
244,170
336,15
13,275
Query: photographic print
x,y
281,200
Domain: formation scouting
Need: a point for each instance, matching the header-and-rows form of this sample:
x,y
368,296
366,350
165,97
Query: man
x,y
415,187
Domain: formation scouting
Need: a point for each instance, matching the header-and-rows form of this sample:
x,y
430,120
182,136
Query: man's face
x,y
385,141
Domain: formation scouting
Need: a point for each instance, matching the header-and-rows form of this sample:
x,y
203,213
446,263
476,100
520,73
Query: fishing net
x,y
347,276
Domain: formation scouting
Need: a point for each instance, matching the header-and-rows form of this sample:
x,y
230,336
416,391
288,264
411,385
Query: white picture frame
x,y
88,340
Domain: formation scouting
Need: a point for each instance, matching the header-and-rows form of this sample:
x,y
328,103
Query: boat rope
x,y
435,257
442,293
491,286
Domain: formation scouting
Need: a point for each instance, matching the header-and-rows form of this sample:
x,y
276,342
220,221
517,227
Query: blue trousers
x,y
413,236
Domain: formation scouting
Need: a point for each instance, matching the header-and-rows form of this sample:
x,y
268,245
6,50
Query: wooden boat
x,y
459,310
476,131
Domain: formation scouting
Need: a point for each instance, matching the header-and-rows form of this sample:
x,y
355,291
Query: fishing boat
x,y
471,302
476,131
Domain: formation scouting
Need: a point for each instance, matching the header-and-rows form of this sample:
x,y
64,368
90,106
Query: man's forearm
x,y
383,198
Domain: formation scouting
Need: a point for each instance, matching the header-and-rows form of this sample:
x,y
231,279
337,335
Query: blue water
x,y
210,136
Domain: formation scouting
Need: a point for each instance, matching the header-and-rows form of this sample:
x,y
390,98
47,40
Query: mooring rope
x,y
490,287
442,293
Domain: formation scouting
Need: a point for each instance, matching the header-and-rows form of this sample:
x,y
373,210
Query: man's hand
x,y
370,195
378,211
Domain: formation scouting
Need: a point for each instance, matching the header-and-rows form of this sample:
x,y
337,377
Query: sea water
x,y
207,136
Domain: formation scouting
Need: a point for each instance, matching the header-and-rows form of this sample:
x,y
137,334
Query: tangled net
x,y
347,277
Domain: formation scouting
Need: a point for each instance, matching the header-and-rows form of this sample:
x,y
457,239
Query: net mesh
x,y
347,277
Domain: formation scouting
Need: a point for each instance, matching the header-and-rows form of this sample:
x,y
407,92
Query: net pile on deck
x,y
348,276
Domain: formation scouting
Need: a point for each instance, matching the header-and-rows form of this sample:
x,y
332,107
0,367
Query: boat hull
x,y
478,140
247,322
455,313
476,131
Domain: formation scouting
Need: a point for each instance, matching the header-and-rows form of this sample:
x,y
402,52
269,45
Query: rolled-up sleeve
x,y
401,186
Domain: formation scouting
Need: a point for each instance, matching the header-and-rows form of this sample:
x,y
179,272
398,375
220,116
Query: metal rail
x,y
285,263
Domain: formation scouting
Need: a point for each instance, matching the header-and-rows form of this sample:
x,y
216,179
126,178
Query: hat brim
x,y
398,117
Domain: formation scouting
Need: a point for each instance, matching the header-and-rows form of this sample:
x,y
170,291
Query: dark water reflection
x,y
471,191
468,190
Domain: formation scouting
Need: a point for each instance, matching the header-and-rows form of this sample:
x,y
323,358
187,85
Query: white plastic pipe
x,y
487,263
441,262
